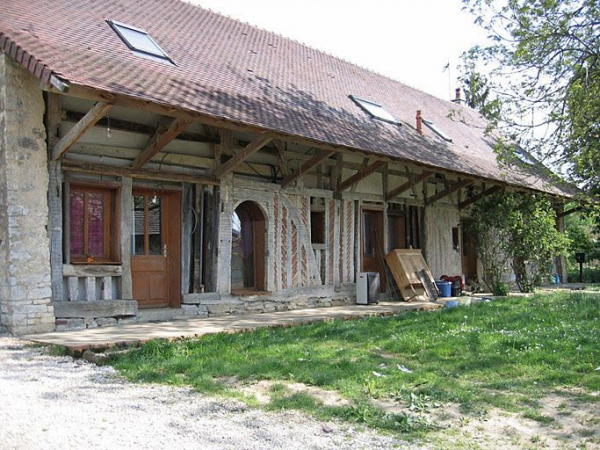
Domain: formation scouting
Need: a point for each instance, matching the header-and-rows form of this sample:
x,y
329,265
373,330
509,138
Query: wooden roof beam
x,y
69,165
98,111
479,196
249,150
360,175
160,140
406,186
455,187
312,162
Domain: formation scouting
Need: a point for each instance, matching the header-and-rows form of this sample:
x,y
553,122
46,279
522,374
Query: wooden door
x,y
155,247
469,255
372,244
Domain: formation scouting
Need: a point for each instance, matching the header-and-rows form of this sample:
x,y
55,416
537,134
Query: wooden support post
x,y
90,289
453,188
244,154
406,186
107,293
55,198
198,237
312,162
476,198
99,110
125,238
360,175
160,140
282,162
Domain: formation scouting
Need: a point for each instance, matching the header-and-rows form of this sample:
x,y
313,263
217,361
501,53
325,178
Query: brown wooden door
x,y
372,243
469,255
155,248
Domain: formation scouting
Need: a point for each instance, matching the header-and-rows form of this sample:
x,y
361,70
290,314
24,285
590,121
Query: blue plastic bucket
x,y
445,288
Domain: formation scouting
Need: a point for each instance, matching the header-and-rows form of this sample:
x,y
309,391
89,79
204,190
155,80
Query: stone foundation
x,y
214,305
25,287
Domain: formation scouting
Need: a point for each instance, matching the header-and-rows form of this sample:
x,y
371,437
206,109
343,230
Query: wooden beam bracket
x,y
406,186
312,162
360,175
160,140
476,198
249,150
453,188
98,111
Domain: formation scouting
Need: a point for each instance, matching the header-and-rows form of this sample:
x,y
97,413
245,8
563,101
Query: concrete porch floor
x,y
136,333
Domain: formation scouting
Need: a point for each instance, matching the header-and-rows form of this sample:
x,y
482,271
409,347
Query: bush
x,y
590,275
500,289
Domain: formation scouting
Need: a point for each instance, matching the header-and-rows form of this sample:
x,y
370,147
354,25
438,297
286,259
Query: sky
x,y
410,41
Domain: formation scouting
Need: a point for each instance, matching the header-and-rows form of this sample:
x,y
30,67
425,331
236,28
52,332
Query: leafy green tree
x,y
544,57
520,229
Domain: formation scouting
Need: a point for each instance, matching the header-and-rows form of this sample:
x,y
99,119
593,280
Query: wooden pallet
x,y
411,274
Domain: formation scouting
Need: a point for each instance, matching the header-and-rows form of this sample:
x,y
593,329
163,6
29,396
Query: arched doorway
x,y
247,248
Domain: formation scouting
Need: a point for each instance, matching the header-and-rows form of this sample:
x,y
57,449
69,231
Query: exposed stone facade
x,y
25,286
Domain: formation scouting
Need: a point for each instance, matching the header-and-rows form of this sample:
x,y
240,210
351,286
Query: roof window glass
x,y
139,41
429,124
375,110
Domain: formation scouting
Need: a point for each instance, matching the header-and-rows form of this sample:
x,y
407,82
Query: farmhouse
x,y
158,155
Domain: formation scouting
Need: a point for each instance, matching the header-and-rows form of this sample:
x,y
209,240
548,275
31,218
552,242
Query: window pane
x,y
140,41
139,225
76,217
155,226
95,210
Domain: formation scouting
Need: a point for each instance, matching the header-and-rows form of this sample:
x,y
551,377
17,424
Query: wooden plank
x,y
406,186
99,110
70,270
361,174
312,162
455,187
70,165
479,196
244,154
198,238
160,140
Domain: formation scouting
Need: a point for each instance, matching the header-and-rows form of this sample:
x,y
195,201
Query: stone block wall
x,y
25,284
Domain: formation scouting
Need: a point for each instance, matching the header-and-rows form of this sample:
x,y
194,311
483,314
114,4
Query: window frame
x,y
160,56
111,217
433,127
361,104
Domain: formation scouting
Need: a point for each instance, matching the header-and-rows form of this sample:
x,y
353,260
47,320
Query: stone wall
x,y
25,285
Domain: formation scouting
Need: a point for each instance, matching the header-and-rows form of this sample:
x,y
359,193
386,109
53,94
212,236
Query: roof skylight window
x,y
375,110
429,124
139,41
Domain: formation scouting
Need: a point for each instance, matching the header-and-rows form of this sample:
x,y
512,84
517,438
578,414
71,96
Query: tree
x,y
519,228
544,57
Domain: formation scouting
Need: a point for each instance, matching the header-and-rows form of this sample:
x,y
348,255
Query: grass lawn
x,y
507,354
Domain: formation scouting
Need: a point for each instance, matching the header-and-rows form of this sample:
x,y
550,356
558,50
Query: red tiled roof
x,y
231,70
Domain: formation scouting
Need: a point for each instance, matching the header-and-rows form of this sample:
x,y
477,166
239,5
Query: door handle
x,y
165,250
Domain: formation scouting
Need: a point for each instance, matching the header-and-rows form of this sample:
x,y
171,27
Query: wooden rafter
x,y
69,165
244,154
312,162
406,186
360,175
282,163
98,111
453,188
479,196
160,140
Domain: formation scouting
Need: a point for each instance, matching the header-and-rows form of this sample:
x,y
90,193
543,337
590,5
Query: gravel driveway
x,y
51,403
